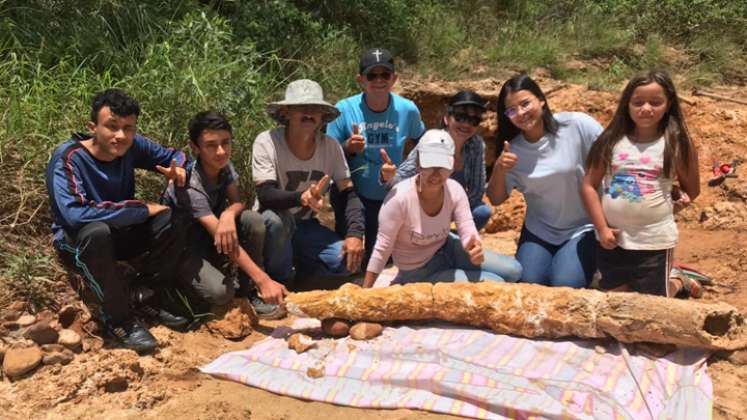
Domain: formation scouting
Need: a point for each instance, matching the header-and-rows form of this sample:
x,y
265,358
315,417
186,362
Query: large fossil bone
x,y
536,311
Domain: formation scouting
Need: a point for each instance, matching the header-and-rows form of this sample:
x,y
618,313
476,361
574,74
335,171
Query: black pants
x,y
95,249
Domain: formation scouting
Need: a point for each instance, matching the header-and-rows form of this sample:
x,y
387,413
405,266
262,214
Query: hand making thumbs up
x,y
507,160
356,143
312,197
173,173
474,249
388,169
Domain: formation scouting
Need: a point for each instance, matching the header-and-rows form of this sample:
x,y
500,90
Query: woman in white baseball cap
x,y
415,221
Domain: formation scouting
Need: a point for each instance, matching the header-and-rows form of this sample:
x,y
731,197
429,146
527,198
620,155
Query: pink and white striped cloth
x,y
474,373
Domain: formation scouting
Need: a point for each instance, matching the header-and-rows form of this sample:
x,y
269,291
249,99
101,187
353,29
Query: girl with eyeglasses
x,y
543,156
462,121
415,222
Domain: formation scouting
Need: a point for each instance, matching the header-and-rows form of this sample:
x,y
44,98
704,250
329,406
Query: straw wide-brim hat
x,y
302,92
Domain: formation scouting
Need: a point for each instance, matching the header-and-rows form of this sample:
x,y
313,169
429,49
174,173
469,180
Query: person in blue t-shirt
x,y
373,127
97,220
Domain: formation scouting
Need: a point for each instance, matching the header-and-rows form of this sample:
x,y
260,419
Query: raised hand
x,y
173,173
474,250
388,169
355,143
507,160
312,197
608,238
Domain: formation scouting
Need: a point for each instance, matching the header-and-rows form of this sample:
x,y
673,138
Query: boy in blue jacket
x,y
96,219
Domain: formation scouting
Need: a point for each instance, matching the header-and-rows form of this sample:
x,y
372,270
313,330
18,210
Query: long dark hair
x,y
677,146
506,129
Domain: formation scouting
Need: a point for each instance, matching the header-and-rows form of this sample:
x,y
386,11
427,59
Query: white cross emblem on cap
x,y
377,53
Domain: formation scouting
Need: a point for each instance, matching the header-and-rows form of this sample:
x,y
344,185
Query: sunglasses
x,y
514,110
385,75
463,117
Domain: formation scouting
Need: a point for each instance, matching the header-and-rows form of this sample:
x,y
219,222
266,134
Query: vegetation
x,y
178,57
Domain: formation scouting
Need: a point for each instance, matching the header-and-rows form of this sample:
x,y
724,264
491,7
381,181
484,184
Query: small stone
x,y
26,320
365,330
335,327
68,314
58,358
315,372
42,333
19,361
300,342
70,339
51,348
17,306
11,325
11,315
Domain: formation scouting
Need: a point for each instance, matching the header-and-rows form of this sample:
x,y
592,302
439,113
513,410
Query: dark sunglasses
x,y
473,120
385,75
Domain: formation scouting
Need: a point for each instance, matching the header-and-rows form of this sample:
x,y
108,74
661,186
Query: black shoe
x,y
266,310
134,336
164,317
141,294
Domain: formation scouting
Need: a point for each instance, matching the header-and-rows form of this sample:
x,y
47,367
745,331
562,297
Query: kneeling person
x,y
222,229
292,166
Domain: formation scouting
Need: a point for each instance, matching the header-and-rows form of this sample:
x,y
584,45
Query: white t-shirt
x,y
272,160
637,196
549,173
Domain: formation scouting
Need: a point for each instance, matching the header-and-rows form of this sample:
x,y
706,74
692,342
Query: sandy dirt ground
x,y
114,383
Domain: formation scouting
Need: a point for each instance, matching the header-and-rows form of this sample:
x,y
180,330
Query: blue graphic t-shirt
x,y
388,130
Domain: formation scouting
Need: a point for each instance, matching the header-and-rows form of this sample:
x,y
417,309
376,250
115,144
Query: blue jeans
x,y
570,264
481,215
371,210
451,264
315,249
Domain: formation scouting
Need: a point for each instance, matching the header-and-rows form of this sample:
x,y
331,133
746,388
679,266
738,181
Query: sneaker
x,y
164,317
266,310
134,336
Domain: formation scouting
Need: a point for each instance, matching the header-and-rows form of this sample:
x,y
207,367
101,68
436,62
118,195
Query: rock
x,y
17,306
67,315
234,321
51,348
58,357
11,325
26,320
315,371
41,333
300,342
365,330
19,361
335,327
11,315
70,339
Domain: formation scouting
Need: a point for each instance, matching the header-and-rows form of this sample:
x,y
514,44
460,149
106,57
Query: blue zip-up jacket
x,y
83,189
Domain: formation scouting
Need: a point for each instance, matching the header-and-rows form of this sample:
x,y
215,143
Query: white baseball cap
x,y
436,150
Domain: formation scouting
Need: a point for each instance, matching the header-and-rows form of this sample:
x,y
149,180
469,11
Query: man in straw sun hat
x,y
292,167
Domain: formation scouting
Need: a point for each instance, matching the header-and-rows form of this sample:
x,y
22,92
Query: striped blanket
x,y
475,373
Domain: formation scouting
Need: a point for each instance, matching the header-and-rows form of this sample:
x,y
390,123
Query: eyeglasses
x,y
442,171
384,75
463,117
523,106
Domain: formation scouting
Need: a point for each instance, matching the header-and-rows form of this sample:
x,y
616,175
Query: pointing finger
x,y
506,147
321,186
355,129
